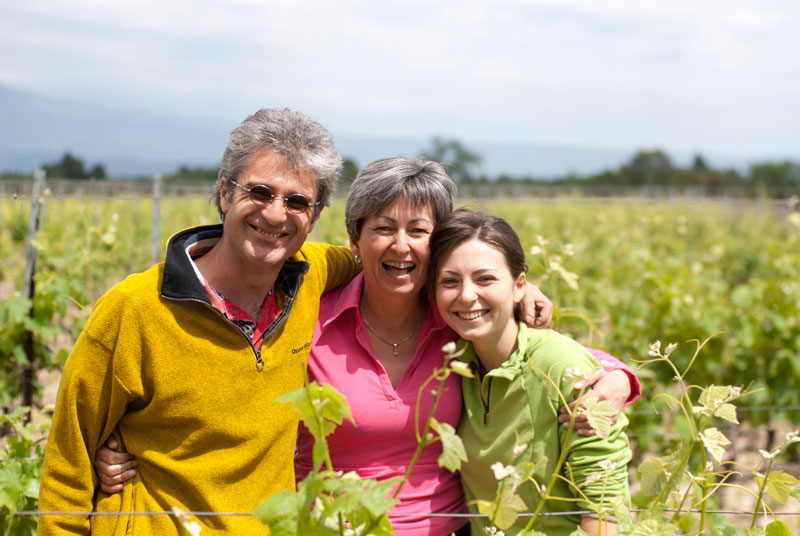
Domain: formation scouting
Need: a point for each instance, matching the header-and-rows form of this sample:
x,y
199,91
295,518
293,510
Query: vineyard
x,y
622,274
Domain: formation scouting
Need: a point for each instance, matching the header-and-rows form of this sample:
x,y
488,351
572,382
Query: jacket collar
x,y
512,366
180,281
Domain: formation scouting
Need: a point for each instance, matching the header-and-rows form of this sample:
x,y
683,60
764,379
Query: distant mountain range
x,y
37,129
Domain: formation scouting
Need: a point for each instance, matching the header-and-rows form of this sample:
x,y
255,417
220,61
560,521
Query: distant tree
x,y
699,163
69,167
98,171
72,167
779,178
349,171
199,174
461,163
648,168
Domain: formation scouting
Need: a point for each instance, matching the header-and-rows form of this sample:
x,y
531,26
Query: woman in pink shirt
x,y
379,338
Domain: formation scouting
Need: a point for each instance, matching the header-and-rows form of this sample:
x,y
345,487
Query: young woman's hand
x,y
538,309
113,468
614,387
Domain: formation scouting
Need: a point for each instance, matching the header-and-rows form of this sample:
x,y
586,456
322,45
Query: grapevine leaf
x,y
796,493
621,511
779,485
599,413
321,408
10,488
778,528
653,475
279,512
505,513
712,403
715,442
377,499
727,412
713,395
579,532
453,452
654,527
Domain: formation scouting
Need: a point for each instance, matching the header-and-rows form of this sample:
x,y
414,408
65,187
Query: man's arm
x,y
88,406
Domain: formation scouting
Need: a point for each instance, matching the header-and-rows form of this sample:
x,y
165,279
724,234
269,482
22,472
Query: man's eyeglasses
x,y
261,194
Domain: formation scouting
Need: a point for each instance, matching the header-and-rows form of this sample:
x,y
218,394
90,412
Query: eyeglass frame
x,y
274,196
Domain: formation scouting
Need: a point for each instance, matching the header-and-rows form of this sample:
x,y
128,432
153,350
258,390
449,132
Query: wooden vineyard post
x,y
155,252
29,285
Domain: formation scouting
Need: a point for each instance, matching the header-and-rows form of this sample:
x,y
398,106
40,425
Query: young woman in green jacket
x,y
511,405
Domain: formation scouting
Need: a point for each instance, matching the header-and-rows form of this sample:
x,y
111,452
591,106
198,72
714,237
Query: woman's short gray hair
x,y
381,182
293,134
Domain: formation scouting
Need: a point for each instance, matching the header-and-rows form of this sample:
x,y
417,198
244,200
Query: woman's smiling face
x,y
476,293
393,246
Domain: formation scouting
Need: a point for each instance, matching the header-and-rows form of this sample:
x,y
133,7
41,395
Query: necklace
x,y
394,345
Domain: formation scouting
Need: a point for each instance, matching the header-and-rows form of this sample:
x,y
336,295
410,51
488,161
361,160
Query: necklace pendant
x,y
395,351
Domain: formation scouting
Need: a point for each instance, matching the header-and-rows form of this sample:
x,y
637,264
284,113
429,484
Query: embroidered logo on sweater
x,y
304,347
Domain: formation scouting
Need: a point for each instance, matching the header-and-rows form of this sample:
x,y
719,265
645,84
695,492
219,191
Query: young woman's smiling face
x,y
394,248
476,293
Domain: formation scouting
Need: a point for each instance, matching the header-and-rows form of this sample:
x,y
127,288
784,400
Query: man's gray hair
x,y
293,134
381,182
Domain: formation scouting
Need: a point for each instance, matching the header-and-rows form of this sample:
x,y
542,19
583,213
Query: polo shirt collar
x,y
350,296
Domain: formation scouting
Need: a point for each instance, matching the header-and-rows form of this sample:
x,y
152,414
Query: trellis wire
x,y
30,513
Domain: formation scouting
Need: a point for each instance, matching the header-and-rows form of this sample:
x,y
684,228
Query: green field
x,y
643,271
622,275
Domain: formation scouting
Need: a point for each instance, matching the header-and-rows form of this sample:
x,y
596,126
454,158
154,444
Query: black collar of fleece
x,y
181,283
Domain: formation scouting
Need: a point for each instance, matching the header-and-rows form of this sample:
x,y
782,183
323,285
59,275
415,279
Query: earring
x,y
357,258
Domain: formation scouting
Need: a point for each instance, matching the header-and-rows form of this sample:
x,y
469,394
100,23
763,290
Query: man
x,y
183,363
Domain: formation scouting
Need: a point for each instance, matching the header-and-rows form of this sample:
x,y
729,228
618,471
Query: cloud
x,y
679,73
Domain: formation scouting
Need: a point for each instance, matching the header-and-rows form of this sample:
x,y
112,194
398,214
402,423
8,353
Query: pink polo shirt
x,y
383,442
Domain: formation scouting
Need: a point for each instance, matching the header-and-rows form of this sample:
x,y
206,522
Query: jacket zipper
x,y
272,329
488,398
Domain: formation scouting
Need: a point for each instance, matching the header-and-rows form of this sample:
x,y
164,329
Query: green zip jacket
x,y
185,392
515,399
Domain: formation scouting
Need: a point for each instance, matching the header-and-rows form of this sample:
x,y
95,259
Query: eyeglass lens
x,y
294,203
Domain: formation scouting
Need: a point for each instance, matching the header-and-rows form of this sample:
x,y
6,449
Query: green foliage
x,y
680,478
646,271
321,408
453,452
49,305
349,172
461,163
18,224
330,502
72,167
20,473
195,174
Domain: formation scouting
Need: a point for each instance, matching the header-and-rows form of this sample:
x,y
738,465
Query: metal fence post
x,y
155,252
29,284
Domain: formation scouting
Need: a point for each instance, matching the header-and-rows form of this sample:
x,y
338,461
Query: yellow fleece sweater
x,y
180,386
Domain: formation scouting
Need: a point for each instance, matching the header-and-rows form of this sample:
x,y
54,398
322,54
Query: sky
x,y
698,75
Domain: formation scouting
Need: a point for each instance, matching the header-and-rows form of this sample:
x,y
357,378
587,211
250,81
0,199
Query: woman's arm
x,y
591,525
615,383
